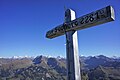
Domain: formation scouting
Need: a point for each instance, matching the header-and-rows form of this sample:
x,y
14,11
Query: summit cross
x,y
70,27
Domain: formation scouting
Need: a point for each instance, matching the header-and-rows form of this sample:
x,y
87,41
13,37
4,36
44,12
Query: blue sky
x,y
24,23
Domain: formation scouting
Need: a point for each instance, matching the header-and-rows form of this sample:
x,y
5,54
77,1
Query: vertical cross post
x,y
73,66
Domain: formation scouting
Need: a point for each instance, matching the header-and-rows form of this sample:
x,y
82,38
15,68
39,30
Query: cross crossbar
x,y
92,19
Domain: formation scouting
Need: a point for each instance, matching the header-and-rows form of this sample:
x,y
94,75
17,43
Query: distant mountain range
x,y
50,68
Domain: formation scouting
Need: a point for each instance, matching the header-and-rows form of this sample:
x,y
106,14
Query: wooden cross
x,y
70,27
